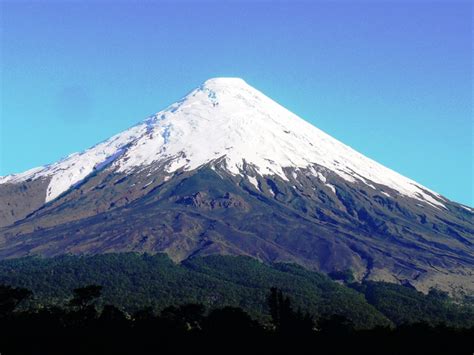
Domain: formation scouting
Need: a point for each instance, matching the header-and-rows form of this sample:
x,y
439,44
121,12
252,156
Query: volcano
x,y
227,170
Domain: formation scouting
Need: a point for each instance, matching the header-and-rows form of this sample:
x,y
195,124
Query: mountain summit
x,y
228,170
225,118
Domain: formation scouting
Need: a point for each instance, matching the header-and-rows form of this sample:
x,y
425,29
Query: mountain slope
x,y
227,118
226,170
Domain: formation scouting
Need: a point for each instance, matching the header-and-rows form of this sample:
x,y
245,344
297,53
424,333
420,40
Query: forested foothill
x,y
146,304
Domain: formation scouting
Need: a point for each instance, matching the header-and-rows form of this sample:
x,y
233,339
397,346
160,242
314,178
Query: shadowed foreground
x,y
80,328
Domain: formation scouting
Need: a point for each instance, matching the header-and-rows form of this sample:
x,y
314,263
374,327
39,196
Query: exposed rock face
x,y
302,220
202,200
20,199
330,210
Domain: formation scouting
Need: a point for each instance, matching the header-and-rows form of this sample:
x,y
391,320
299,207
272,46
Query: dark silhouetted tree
x,y
111,314
284,318
335,325
10,298
145,314
85,296
185,317
230,321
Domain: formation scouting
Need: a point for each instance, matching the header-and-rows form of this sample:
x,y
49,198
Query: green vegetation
x,y
132,282
81,327
406,305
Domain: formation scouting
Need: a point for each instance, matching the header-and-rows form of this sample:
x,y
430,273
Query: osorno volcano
x,y
226,170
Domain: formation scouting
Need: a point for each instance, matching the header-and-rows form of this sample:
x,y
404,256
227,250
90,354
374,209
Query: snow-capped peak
x,y
224,118
224,82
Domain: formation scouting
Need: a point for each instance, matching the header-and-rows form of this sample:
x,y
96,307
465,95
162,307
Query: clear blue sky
x,y
391,79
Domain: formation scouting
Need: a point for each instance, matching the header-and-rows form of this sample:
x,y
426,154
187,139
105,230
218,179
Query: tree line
x,y
84,326
133,282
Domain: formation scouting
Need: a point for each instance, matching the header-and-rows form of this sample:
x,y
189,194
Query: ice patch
x,y
253,181
321,177
467,208
333,189
148,184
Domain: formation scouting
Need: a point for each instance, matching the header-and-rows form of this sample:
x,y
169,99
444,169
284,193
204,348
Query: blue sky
x,y
391,79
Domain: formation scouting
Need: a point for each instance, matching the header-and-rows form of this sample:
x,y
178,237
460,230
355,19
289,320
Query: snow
x,y
74,168
148,184
253,181
321,177
225,117
384,193
333,189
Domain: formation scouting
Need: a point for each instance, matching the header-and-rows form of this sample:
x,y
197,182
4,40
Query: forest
x,y
146,304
